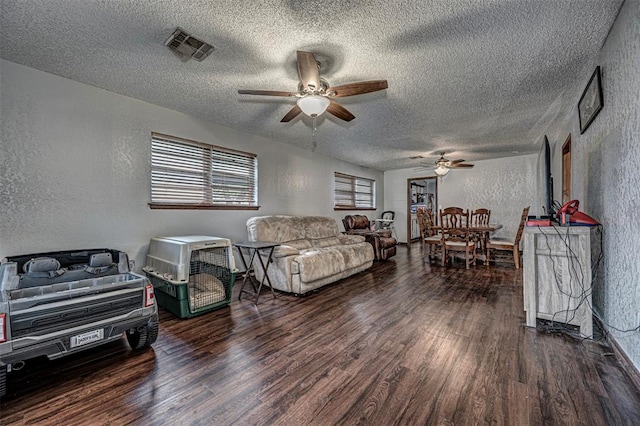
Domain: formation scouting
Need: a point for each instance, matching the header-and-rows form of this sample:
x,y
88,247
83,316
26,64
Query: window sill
x,y
355,208
200,207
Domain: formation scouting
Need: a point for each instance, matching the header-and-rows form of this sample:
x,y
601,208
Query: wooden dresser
x,y
557,281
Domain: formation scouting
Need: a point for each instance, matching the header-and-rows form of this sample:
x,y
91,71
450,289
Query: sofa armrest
x,y
350,239
284,250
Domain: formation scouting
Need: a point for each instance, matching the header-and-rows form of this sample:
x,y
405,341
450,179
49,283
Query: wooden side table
x,y
254,248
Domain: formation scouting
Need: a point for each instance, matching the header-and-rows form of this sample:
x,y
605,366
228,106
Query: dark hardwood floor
x,y
402,343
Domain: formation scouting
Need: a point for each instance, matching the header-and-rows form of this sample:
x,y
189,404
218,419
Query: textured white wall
x,y
74,170
606,176
505,186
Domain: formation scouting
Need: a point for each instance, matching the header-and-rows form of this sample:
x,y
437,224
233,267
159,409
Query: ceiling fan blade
x,y
460,166
359,88
267,92
455,161
293,113
308,70
340,111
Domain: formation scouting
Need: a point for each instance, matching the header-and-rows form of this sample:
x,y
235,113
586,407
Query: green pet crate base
x,y
175,297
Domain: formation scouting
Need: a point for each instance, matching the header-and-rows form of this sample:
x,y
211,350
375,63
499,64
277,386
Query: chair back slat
x,y
480,217
425,222
455,224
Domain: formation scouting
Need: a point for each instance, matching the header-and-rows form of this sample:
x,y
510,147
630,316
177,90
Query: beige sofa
x,y
312,251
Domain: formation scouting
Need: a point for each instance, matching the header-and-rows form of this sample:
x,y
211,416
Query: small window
x,y
192,175
353,193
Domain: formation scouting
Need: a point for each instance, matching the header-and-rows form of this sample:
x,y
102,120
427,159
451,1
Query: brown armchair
x,y
384,245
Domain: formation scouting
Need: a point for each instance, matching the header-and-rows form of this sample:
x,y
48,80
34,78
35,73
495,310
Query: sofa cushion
x,y
355,254
300,244
284,250
325,242
351,239
314,264
289,228
316,227
275,228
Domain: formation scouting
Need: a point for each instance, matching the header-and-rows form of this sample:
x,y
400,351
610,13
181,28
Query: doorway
x,y
421,192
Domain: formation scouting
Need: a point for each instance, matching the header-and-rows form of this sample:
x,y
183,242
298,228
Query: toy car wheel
x,y
145,337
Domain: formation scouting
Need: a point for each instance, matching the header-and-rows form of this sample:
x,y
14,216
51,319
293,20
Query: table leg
x,y
486,248
248,271
266,276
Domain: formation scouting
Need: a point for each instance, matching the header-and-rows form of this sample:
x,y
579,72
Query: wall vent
x,y
186,46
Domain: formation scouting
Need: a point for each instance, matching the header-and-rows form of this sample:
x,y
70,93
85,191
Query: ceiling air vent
x,y
186,46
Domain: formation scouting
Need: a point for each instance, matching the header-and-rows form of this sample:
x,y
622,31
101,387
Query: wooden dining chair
x,y
430,239
506,245
456,237
479,218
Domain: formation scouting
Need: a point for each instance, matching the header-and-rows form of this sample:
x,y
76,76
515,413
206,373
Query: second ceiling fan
x,y
315,95
442,165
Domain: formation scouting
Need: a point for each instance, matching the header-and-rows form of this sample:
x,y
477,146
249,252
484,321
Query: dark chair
x,y
357,224
384,245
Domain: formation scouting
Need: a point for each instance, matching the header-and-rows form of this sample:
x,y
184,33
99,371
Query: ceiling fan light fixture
x,y
441,170
313,105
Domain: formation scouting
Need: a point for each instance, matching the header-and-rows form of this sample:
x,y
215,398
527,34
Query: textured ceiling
x,y
478,79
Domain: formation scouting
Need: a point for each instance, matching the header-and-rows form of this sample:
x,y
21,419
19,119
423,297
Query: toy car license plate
x,y
86,338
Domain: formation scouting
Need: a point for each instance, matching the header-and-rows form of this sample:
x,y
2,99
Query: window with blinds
x,y
352,192
188,174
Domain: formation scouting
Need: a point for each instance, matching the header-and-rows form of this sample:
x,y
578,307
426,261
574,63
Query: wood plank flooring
x,y
404,342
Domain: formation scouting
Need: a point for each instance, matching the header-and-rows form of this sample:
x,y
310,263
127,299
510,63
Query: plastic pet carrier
x,y
192,274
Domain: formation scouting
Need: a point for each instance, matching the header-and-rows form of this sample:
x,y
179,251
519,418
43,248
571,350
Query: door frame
x,y
409,182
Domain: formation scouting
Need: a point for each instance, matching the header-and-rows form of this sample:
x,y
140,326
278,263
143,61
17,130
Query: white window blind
x,y
189,173
352,192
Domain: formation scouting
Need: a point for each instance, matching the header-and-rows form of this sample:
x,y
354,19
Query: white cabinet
x,y
557,275
415,228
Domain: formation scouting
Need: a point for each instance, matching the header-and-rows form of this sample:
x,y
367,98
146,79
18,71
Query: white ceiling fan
x,y
442,165
315,95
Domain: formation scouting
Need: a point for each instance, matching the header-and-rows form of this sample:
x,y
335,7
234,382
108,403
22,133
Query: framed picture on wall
x,y
590,102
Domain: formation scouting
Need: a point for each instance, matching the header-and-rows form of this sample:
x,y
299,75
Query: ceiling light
x,y
441,170
313,105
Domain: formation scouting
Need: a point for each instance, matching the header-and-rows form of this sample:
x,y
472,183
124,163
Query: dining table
x,y
483,233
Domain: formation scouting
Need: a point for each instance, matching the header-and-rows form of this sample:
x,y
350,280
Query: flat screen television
x,y
546,180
